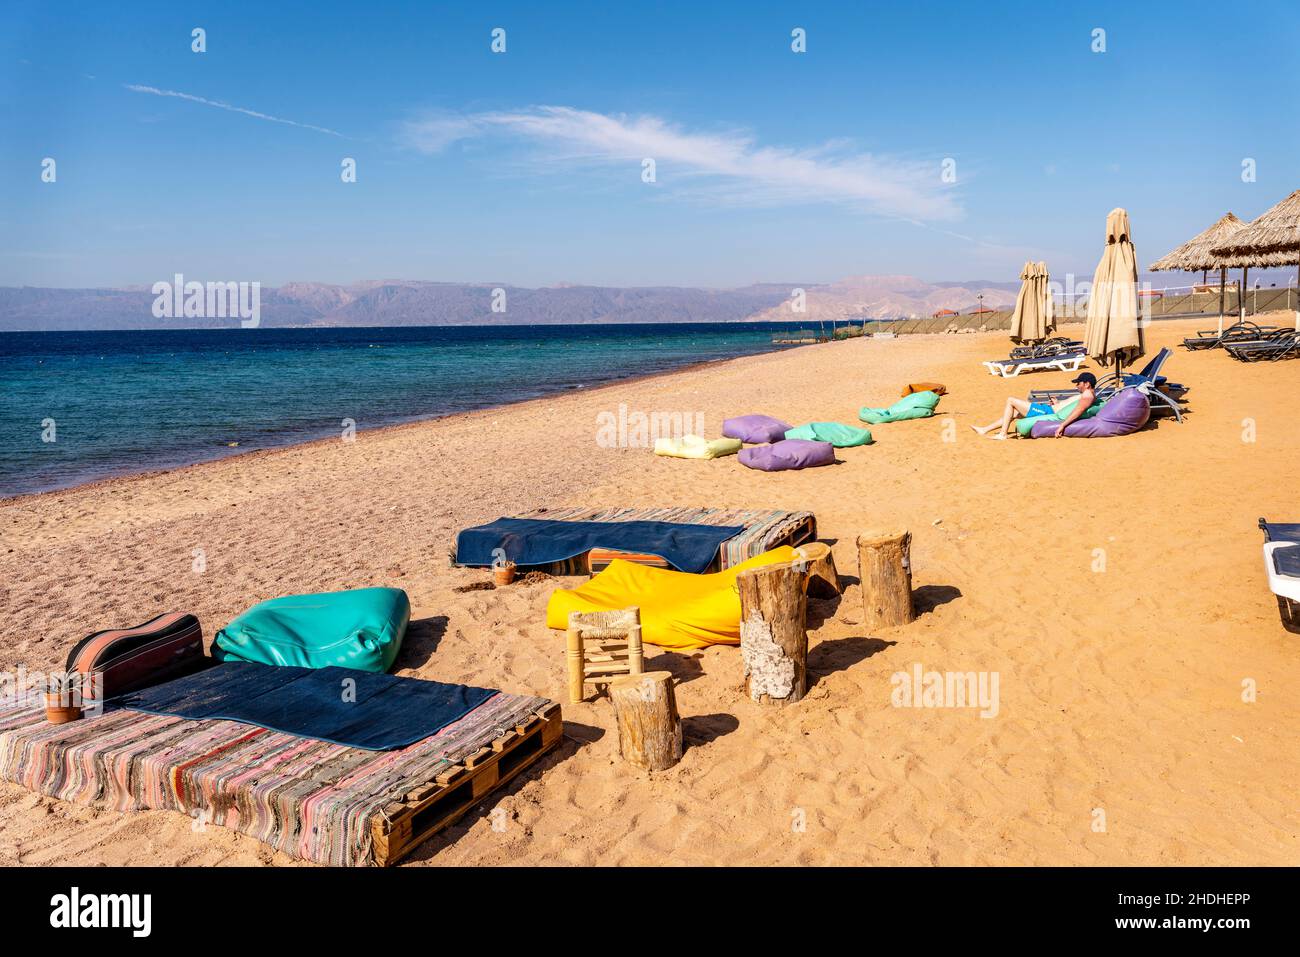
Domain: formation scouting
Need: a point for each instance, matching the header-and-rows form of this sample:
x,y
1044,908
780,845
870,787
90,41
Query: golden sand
x,y
1121,690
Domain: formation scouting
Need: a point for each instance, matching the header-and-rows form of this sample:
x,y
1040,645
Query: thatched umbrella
x,y
1034,315
1113,328
1271,240
1197,254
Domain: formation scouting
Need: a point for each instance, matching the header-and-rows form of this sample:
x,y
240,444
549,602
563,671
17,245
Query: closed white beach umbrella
x,y
1113,329
1034,316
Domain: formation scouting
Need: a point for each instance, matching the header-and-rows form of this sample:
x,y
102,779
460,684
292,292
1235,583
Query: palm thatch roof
x,y
1271,240
1196,254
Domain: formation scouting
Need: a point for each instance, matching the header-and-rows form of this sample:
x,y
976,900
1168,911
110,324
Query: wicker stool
x,y
603,645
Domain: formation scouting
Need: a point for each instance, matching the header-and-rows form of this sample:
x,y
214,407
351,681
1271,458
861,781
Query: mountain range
x,y
419,303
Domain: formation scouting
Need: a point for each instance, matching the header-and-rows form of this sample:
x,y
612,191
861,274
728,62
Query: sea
x,y
81,406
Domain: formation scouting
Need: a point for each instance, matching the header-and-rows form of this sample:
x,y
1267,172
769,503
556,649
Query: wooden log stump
x,y
885,569
773,639
649,728
823,578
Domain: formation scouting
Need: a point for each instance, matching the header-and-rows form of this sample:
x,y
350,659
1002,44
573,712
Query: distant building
x,y
945,312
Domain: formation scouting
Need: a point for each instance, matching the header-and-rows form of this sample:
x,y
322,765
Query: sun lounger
x,y
1062,362
1048,347
1284,345
1243,331
761,531
310,799
1282,566
1163,395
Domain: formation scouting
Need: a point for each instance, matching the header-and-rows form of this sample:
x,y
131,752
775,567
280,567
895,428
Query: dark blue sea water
x,y
120,402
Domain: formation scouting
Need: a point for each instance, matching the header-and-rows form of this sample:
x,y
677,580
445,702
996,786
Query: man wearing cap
x,y
1084,382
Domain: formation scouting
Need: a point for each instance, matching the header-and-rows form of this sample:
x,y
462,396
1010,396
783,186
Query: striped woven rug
x,y
310,799
765,529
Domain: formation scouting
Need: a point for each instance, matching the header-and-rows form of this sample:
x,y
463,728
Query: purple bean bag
x,y
1124,413
788,454
755,428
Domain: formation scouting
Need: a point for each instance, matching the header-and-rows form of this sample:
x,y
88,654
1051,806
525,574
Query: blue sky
x,y
526,167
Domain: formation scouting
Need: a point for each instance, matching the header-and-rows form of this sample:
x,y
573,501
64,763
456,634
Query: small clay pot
x,y
58,710
504,574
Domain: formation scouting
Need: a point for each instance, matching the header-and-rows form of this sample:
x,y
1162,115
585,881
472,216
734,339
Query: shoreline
x,y
379,429
219,457
182,469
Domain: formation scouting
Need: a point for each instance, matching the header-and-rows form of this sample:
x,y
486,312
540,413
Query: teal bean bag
x,y
840,436
362,629
918,405
1025,425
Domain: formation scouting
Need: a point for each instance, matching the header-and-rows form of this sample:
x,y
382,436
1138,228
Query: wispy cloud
x,y
729,166
154,91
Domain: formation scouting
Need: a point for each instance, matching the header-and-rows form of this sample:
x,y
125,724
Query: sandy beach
x,y
1121,689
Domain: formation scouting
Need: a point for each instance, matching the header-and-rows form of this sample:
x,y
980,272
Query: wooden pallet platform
x,y
405,825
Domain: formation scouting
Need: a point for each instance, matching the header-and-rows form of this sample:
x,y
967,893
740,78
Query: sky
x,y
950,141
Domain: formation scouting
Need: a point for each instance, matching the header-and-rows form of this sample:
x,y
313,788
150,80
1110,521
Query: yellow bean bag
x,y
696,447
678,610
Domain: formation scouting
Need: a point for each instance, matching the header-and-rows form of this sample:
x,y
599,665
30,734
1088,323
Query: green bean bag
x,y
918,405
362,629
1025,425
840,436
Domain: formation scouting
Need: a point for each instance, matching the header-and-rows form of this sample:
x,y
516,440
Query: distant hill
x,y
394,303
887,297
417,303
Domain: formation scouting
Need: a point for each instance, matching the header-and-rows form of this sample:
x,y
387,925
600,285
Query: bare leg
x,y
1014,409
996,423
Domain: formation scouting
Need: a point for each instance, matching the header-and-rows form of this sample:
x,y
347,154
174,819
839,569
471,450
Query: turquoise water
x,y
121,402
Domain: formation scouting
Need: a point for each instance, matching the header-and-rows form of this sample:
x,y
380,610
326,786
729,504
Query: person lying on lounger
x,y
1016,407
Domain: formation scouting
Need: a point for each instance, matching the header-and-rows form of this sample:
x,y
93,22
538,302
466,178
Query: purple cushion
x,y
1124,413
788,454
755,428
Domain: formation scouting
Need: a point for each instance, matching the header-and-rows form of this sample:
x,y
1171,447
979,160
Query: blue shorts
x,y
1039,408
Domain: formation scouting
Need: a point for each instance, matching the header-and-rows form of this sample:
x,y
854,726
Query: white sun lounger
x,y
1013,367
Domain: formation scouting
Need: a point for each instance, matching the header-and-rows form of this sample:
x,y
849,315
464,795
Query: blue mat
x,y
1287,561
539,541
357,709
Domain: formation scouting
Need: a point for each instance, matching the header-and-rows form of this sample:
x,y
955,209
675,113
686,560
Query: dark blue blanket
x,y
539,541
357,709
